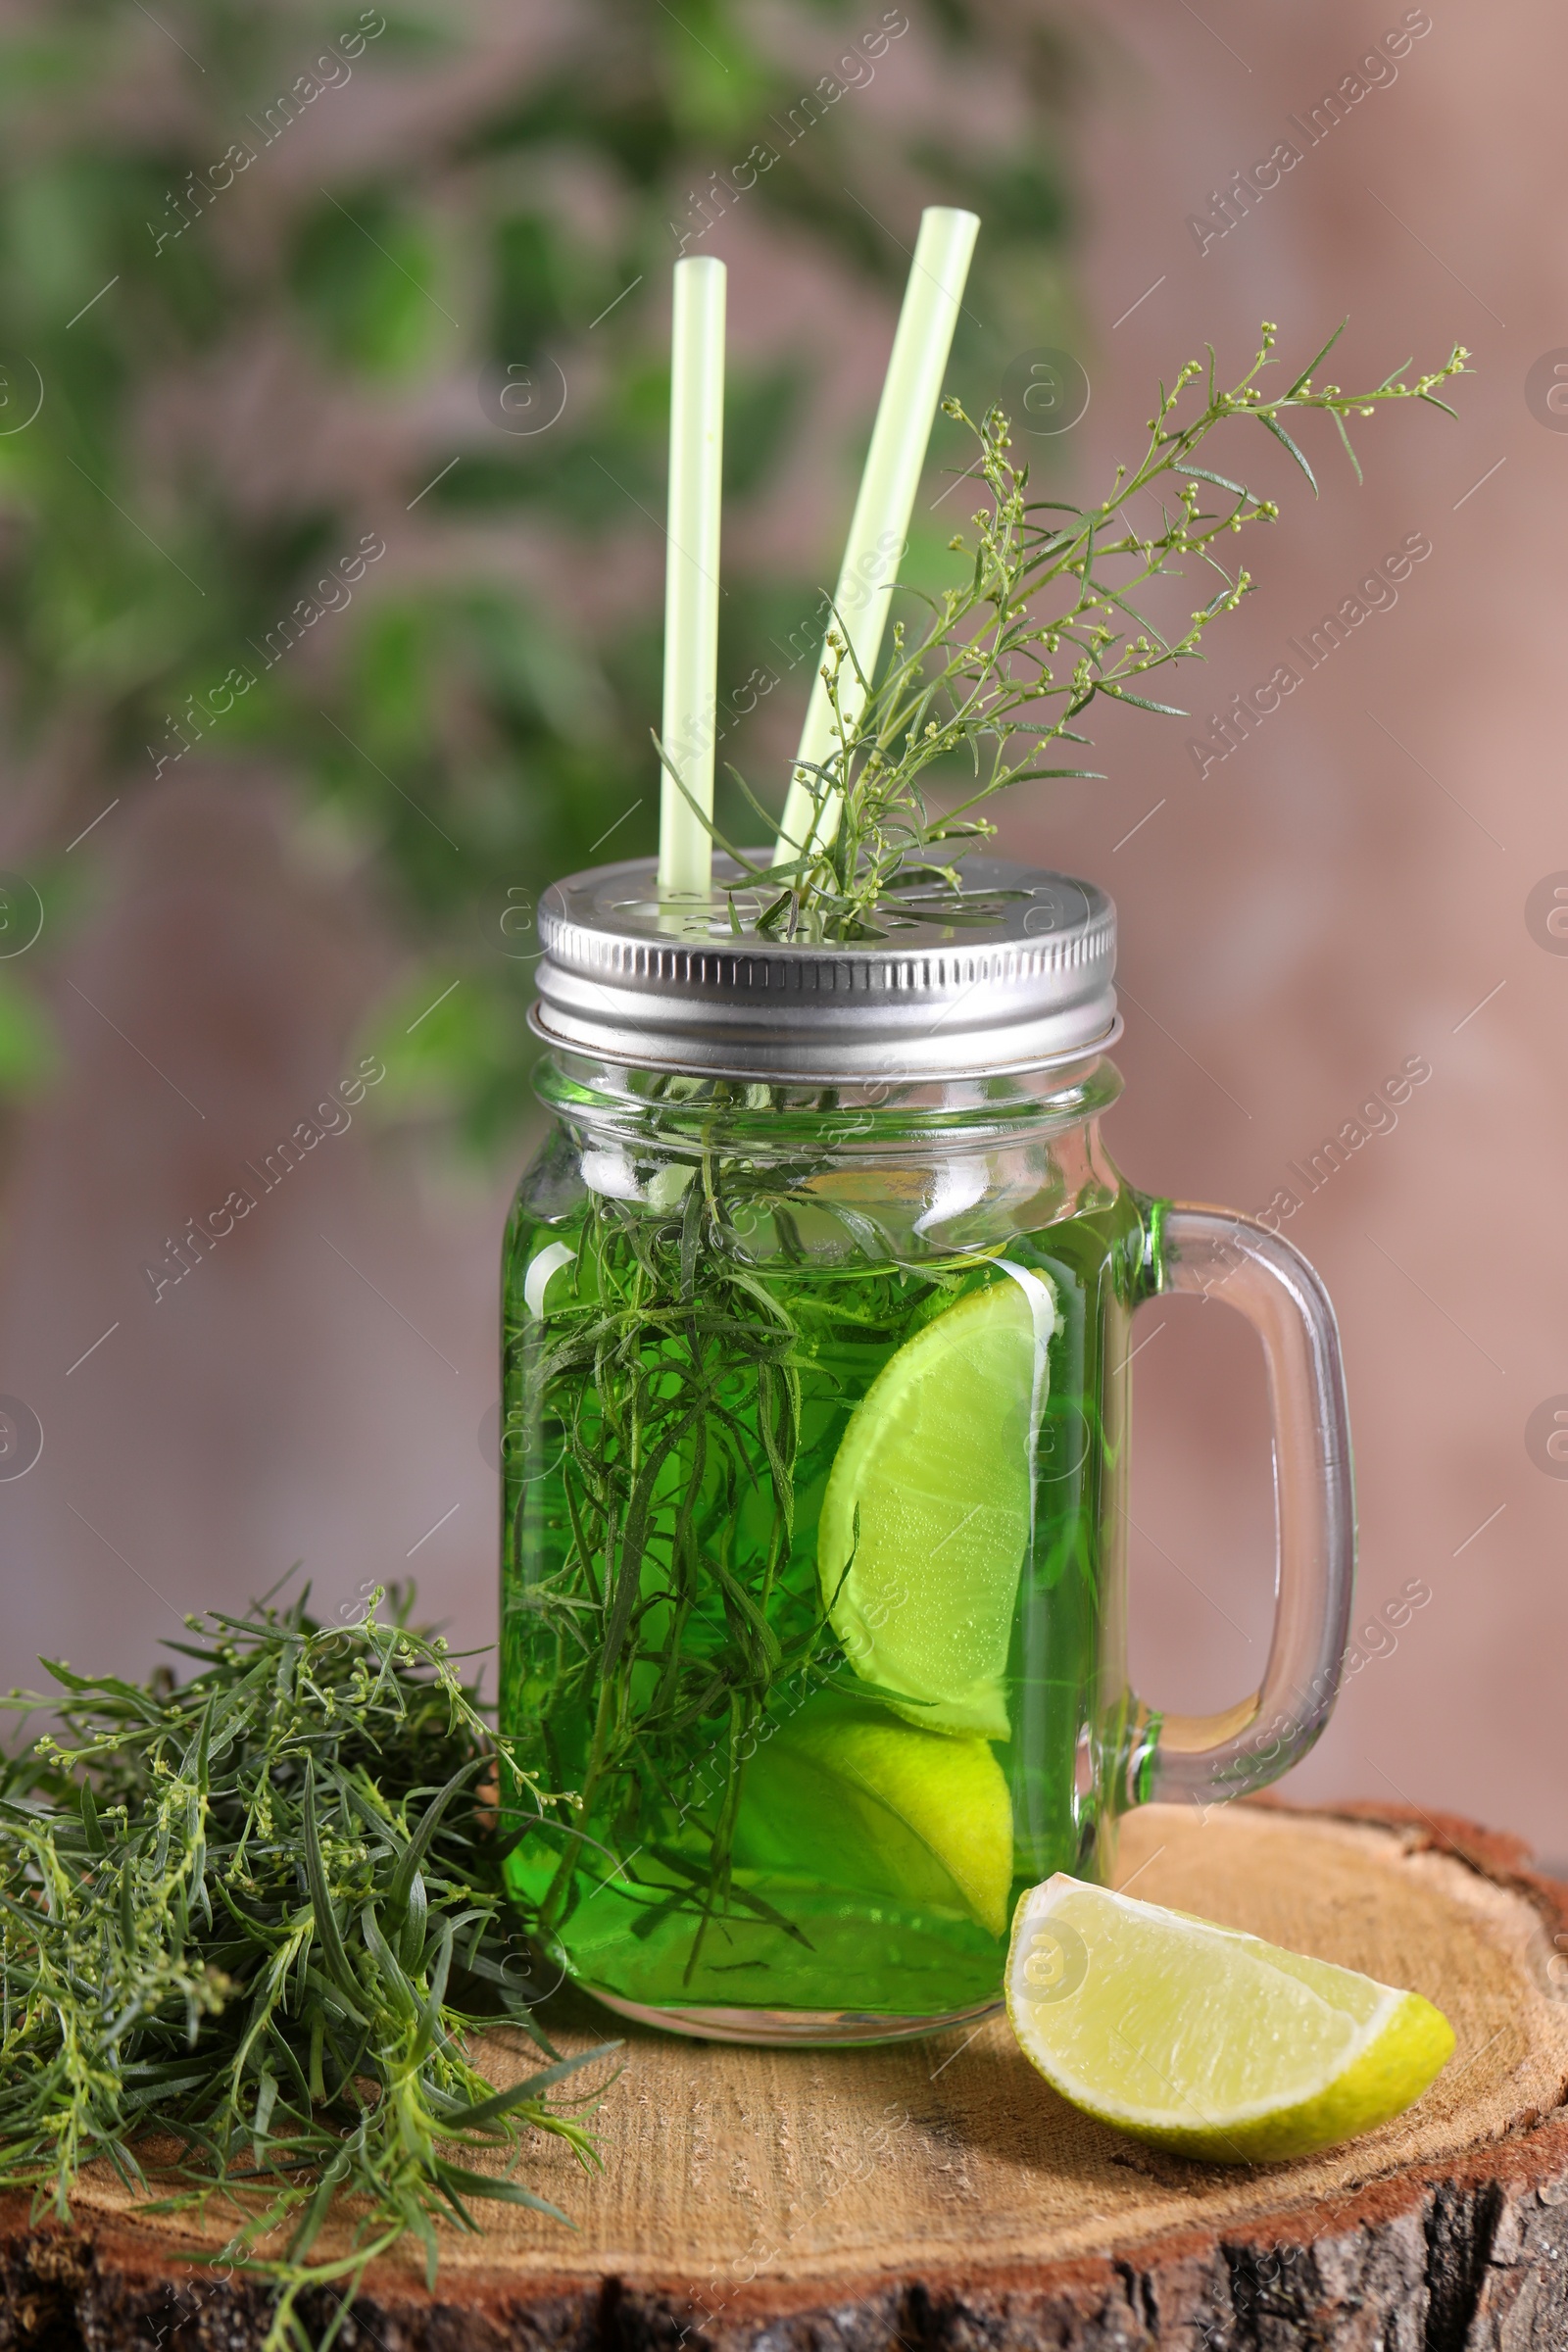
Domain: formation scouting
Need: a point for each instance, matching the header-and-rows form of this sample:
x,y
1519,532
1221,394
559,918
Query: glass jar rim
x,y
682,1108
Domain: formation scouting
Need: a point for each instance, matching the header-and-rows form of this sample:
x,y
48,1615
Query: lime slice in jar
x,y
844,1794
927,1517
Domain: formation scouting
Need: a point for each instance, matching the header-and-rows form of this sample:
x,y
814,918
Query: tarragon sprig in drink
x,y
1050,617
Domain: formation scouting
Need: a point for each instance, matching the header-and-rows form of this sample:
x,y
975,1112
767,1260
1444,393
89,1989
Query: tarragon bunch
x,y
1048,620
253,1919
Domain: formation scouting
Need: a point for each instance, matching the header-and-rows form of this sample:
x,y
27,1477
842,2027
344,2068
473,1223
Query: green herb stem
x,y
1050,619
261,1912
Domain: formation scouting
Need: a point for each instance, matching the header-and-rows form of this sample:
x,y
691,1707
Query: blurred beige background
x,y
1350,887
1344,890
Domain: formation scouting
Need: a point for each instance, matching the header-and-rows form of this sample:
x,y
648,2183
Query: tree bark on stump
x,y
935,2197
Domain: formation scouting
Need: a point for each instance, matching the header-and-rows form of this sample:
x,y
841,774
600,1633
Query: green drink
x,y
814,1403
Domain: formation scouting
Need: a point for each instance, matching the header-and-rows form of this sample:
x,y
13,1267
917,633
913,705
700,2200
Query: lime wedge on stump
x,y
849,1796
1203,2040
926,1516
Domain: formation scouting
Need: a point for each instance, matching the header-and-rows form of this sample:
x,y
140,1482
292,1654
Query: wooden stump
x,y
936,2194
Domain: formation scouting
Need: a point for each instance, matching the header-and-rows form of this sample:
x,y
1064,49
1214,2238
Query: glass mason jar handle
x,y
1224,1256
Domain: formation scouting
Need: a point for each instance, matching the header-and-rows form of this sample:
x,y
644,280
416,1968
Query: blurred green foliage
x,y
270,322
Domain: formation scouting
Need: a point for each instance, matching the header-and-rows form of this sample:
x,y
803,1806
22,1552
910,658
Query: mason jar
x,y
817,1312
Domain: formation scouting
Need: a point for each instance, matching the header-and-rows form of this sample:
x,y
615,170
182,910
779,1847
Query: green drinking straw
x,y
880,526
691,575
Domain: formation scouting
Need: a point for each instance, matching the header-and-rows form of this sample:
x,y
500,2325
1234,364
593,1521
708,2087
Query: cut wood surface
x,y
937,2192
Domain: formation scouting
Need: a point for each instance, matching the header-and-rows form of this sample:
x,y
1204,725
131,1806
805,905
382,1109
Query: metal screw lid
x,y
668,984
